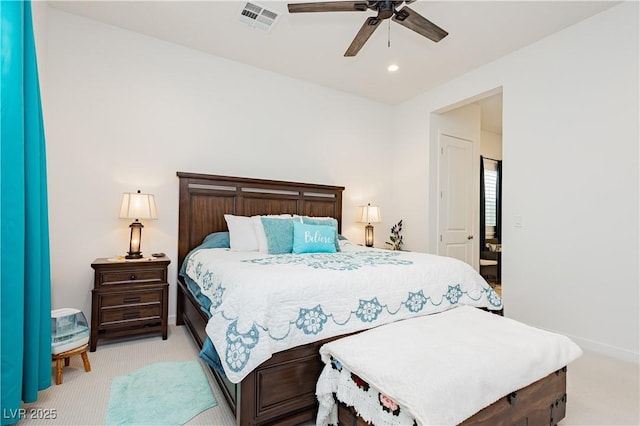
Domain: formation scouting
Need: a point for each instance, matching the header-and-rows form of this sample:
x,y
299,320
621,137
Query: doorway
x,y
490,221
490,205
479,121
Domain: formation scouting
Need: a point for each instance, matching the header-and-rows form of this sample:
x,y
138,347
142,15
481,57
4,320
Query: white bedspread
x,y
442,368
262,304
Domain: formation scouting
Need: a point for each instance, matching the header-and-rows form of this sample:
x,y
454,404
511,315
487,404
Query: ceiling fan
x,y
386,9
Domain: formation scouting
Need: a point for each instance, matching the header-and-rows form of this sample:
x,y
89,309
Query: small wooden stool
x,y
82,350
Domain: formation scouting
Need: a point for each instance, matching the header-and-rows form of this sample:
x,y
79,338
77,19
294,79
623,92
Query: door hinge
x,y
440,238
441,150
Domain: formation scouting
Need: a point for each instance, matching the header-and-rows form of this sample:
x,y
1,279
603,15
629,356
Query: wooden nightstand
x,y
129,297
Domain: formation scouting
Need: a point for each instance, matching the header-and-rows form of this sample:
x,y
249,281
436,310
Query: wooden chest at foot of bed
x,y
541,403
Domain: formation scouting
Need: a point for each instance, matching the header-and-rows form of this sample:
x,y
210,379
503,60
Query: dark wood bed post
x,y
183,222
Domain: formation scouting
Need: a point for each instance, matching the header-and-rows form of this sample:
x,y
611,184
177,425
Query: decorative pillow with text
x,y
326,221
313,238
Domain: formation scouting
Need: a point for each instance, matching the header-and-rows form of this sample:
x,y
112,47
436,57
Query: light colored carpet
x,y
601,390
165,393
83,398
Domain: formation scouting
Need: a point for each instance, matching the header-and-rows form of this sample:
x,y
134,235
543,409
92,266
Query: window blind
x,y
490,192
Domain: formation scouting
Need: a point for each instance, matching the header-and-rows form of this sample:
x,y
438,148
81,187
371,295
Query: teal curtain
x,y
25,282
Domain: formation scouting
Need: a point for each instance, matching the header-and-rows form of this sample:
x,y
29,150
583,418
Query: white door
x,y
456,213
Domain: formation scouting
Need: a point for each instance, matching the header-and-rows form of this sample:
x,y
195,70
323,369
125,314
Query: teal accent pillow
x,y
279,234
313,238
326,221
216,240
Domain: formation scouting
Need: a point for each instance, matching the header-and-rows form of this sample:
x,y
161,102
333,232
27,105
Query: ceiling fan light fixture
x,y
393,68
387,9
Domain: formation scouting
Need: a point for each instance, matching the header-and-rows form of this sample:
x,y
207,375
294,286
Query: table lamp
x,y
137,206
369,214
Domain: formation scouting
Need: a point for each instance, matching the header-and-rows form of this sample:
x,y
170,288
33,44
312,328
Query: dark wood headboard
x,y
205,199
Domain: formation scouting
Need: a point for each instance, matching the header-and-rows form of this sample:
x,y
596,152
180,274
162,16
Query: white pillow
x,y
258,229
261,236
242,236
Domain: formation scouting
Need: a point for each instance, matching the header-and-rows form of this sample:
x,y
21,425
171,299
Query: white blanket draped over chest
x,y
440,368
262,304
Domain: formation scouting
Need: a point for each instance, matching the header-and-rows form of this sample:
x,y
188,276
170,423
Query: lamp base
x,y
134,242
368,235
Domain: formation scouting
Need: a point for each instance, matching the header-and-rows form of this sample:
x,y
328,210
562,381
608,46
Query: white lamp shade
x,y
138,206
369,214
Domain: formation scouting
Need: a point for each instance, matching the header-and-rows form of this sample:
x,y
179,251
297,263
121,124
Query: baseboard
x,y
171,319
607,350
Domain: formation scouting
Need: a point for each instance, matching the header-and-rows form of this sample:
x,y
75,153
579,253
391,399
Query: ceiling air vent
x,y
258,17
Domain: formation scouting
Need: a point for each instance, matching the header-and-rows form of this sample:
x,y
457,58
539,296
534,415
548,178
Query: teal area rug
x,y
166,393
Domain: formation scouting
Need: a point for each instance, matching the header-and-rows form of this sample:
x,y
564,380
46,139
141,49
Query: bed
x,y
282,389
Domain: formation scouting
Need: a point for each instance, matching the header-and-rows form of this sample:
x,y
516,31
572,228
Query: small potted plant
x,y
396,237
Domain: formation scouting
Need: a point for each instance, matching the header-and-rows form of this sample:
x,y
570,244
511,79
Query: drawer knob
x,y
131,299
131,315
132,277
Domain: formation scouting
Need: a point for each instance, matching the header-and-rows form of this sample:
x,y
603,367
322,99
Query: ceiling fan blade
x,y
418,23
328,6
363,35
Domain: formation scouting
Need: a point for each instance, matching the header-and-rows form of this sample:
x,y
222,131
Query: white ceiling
x,y
310,46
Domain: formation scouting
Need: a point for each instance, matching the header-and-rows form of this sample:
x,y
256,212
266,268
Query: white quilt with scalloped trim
x,y
262,304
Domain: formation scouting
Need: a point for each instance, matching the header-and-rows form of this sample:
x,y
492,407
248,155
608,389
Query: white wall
x,y
124,112
491,145
39,12
570,151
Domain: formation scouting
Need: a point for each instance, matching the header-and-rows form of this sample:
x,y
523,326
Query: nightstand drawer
x,y
113,316
142,276
131,298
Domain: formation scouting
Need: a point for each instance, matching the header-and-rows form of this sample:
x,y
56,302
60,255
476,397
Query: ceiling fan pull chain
x,y
388,32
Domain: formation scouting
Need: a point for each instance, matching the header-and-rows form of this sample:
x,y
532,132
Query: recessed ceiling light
x,y
392,68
